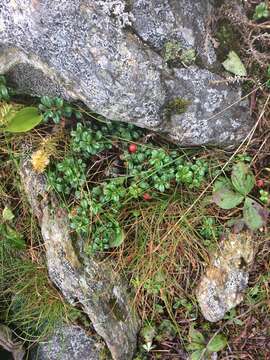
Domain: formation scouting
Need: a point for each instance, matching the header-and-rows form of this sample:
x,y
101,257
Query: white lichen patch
x,y
117,10
222,286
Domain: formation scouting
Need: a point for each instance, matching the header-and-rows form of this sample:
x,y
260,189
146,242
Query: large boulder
x,y
110,56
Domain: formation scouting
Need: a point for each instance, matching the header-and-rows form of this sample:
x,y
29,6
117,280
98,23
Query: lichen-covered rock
x,y
94,285
222,287
109,55
68,342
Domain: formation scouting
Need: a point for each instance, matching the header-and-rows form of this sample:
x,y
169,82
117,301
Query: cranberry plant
x,y
124,169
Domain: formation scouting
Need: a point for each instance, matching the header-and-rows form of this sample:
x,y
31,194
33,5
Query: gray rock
x,y
68,342
83,280
222,287
108,55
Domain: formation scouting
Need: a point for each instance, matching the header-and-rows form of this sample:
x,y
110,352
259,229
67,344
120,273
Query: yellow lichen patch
x,y
40,160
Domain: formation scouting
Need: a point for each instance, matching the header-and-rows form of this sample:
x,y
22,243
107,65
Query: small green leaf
x,y
227,199
261,11
242,178
196,355
7,214
58,102
118,239
46,101
234,64
24,120
218,343
255,215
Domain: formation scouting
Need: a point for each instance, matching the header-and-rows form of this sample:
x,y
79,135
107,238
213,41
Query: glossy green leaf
x,y
255,215
242,178
227,199
234,65
46,101
218,343
24,120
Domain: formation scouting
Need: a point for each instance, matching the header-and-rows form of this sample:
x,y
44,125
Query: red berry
x,y
132,148
147,197
260,183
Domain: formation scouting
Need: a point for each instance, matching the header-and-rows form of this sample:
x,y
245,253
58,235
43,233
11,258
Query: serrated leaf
x,y
196,355
234,65
255,215
227,199
218,343
196,336
24,120
242,178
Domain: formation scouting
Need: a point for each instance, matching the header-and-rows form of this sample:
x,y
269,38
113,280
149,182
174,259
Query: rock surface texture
x,y
68,342
109,54
82,280
222,287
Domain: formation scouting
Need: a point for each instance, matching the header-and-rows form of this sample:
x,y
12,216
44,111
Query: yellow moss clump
x,y
41,157
40,160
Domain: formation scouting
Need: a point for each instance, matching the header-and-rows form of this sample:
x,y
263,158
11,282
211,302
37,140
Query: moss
x,y
176,56
172,52
176,106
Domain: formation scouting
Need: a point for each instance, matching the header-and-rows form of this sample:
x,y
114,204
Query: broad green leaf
x,y
196,336
234,65
242,178
24,120
227,199
222,182
7,214
218,343
195,346
255,216
196,355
